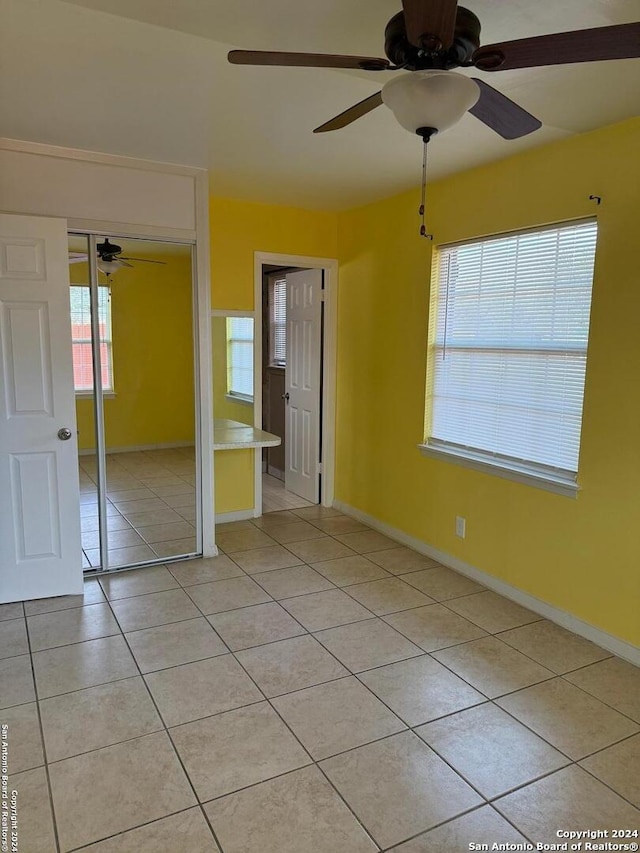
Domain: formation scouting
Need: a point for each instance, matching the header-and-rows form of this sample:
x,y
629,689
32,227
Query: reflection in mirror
x,y
233,389
146,348
150,418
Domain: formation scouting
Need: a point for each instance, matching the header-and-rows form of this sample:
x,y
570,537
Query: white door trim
x,y
204,434
330,338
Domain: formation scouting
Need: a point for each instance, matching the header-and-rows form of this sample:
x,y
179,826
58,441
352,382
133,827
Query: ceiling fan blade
x,y
502,114
139,260
356,111
430,24
78,258
306,60
621,41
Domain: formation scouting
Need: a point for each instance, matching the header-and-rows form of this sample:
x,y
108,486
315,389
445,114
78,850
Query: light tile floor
x,y
151,509
151,506
301,693
275,497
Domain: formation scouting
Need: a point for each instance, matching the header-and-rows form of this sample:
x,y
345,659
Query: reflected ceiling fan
x,y
432,37
110,258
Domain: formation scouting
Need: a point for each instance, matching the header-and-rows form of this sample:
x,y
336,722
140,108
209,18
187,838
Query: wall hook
x,y
596,198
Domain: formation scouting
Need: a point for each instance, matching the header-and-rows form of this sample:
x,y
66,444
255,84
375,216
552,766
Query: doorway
x,y
134,347
292,318
295,300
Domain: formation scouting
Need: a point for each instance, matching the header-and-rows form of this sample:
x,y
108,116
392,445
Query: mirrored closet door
x,y
133,311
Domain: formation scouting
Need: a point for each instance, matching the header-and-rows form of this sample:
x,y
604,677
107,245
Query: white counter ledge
x,y
233,435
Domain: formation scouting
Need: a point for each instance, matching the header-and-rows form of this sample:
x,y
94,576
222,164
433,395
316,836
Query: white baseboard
x,y
135,448
237,515
275,472
613,644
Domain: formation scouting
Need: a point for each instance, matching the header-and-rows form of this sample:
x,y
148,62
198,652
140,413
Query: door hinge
x,y
320,468
322,296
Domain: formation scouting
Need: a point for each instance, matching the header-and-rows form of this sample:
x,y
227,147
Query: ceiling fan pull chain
x,y
423,199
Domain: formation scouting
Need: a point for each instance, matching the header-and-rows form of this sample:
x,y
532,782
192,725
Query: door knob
x,y
285,396
64,434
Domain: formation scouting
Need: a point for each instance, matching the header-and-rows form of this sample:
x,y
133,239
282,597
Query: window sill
x,y
88,395
557,485
237,398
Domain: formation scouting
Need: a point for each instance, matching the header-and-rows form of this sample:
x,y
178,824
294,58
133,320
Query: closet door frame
x,y
94,191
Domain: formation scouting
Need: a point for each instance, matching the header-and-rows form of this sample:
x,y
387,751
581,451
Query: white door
x,y
303,383
40,551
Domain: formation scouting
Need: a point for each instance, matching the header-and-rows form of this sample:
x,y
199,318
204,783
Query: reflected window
x,y
240,358
81,337
278,322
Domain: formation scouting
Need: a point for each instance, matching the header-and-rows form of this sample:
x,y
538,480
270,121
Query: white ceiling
x,y
149,78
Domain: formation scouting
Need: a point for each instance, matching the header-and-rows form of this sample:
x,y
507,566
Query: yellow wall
x,y
238,229
582,555
234,472
151,318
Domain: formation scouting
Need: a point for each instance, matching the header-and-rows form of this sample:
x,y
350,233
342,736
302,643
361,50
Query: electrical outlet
x,y
461,526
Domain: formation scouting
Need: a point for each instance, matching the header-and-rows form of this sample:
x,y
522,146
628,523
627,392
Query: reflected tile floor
x,y
249,703
150,506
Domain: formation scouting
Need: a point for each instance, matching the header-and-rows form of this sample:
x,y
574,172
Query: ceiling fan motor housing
x,y
401,52
108,251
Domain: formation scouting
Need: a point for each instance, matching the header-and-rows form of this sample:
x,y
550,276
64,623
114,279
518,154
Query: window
x,y
81,337
240,358
278,322
508,351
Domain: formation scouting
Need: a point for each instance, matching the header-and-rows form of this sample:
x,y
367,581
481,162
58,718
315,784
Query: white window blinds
x,y
81,337
240,356
507,361
278,323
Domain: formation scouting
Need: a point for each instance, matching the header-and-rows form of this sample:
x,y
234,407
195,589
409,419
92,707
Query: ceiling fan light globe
x,y
109,267
434,99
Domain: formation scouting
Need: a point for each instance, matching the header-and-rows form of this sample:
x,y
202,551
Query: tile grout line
x,y
393,847
602,781
313,763
410,728
312,633
488,634
373,616
168,733
54,819
356,675
407,728
140,826
568,766
596,698
316,763
142,485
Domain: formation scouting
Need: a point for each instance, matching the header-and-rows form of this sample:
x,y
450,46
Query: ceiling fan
x,y
432,37
110,258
